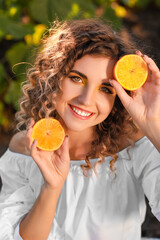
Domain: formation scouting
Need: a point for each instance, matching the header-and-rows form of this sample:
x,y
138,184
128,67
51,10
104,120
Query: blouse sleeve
x,y
16,233
18,191
146,167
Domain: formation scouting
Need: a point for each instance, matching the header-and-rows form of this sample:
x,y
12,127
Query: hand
x,y
144,104
54,165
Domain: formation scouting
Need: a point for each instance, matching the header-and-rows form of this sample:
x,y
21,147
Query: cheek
x,y
70,90
106,105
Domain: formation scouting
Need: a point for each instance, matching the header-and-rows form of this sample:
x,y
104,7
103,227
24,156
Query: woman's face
x,y
87,97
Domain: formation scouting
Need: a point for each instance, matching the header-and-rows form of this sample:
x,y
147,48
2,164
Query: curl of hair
x,y
65,43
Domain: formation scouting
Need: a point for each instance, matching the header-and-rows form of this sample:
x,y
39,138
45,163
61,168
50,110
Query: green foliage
x,y
46,11
13,94
142,4
109,14
15,29
157,2
3,83
22,24
16,53
137,3
4,121
39,11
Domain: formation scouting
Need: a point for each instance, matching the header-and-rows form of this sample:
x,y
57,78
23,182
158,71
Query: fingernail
x,y
34,141
110,81
139,52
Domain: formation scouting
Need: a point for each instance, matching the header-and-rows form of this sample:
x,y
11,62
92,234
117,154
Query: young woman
x,y
93,186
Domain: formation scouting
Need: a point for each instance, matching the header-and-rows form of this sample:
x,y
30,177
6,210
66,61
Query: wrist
x,y
55,191
153,133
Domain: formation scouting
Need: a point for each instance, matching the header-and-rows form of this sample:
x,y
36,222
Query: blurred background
x,y
23,23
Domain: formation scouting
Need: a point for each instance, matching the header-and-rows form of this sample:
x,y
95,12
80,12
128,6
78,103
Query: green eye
x,y
76,79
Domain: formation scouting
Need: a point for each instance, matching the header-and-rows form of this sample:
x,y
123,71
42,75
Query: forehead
x,y
95,65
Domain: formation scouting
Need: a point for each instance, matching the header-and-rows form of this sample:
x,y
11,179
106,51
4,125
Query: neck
x,y
79,143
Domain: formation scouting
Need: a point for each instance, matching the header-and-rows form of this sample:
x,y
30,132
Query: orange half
x,y
131,71
49,134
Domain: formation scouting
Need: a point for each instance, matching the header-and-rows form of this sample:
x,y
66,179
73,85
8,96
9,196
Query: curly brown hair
x,y
65,43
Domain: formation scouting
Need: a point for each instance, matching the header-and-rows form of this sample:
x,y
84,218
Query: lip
x,y
77,115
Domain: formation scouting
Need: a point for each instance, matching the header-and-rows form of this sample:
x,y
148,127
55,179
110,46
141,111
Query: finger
x,y
124,97
34,155
139,53
29,138
155,73
31,123
150,62
34,149
29,135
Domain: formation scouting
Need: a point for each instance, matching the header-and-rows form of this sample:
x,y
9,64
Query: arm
x,y
19,190
143,105
54,167
146,169
38,222
18,143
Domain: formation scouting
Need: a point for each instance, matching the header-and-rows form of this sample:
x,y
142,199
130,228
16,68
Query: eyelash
x,y
75,78
108,90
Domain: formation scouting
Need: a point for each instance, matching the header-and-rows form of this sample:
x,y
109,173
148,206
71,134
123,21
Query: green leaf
x,y
1,107
136,3
13,94
142,4
19,57
4,120
47,11
59,8
16,53
71,9
157,2
3,82
88,9
1,113
100,2
110,15
2,74
16,29
127,2
23,3
39,11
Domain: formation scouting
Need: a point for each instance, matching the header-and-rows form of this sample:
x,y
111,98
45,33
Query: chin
x,y
74,126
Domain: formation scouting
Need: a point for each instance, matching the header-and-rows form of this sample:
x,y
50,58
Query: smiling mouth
x,y
80,112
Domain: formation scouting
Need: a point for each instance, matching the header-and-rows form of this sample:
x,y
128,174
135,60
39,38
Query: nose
x,y
87,96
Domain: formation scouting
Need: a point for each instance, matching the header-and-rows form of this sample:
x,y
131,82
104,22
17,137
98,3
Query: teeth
x,y
81,113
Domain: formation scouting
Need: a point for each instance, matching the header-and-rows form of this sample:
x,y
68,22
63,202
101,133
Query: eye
x,y
76,79
105,89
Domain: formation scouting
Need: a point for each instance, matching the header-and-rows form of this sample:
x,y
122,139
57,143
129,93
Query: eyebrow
x,y
79,73
85,77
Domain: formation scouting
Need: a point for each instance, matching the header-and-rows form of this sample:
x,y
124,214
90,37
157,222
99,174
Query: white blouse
x,y
90,208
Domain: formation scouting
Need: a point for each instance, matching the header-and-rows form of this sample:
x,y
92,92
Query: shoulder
x,y
135,138
18,143
146,160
